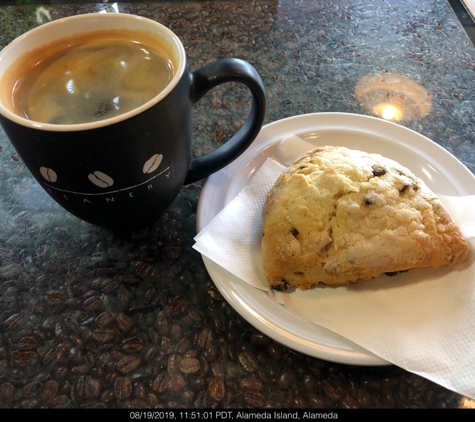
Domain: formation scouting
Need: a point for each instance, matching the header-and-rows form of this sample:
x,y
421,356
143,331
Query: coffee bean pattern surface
x,y
49,174
152,163
100,179
90,318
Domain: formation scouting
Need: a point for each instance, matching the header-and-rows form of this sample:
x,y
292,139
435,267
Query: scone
x,y
340,216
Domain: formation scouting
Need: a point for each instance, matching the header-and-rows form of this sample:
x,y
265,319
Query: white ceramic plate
x,y
442,172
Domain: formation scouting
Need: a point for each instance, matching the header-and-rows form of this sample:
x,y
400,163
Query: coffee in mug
x,y
91,77
110,138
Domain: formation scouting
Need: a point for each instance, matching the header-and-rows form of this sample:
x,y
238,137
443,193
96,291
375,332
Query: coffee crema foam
x,y
89,78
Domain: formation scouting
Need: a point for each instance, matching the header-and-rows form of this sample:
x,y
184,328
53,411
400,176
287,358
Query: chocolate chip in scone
x,y
294,232
368,200
378,170
414,187
393,273
281,286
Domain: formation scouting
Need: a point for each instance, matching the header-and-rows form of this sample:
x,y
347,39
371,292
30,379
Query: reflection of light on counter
x,y
393,97
387,111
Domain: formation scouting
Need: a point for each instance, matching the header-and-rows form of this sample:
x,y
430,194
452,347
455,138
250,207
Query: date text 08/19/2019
x,y
227,414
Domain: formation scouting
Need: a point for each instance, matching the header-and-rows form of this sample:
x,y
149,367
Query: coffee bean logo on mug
x,y
99,107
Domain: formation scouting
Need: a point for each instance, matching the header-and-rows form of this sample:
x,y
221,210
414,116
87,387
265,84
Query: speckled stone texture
x,y
92,318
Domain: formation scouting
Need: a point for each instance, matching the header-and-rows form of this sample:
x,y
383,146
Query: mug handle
x,y
210,76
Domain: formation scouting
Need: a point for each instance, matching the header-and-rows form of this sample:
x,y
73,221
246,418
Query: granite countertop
x,y
94,318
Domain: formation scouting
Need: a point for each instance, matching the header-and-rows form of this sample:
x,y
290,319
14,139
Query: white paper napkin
x,y
422,320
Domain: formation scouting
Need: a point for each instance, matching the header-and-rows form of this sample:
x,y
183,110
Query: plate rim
x,y
359,355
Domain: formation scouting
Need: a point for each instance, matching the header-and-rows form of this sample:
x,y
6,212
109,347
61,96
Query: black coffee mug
x,y
122,172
